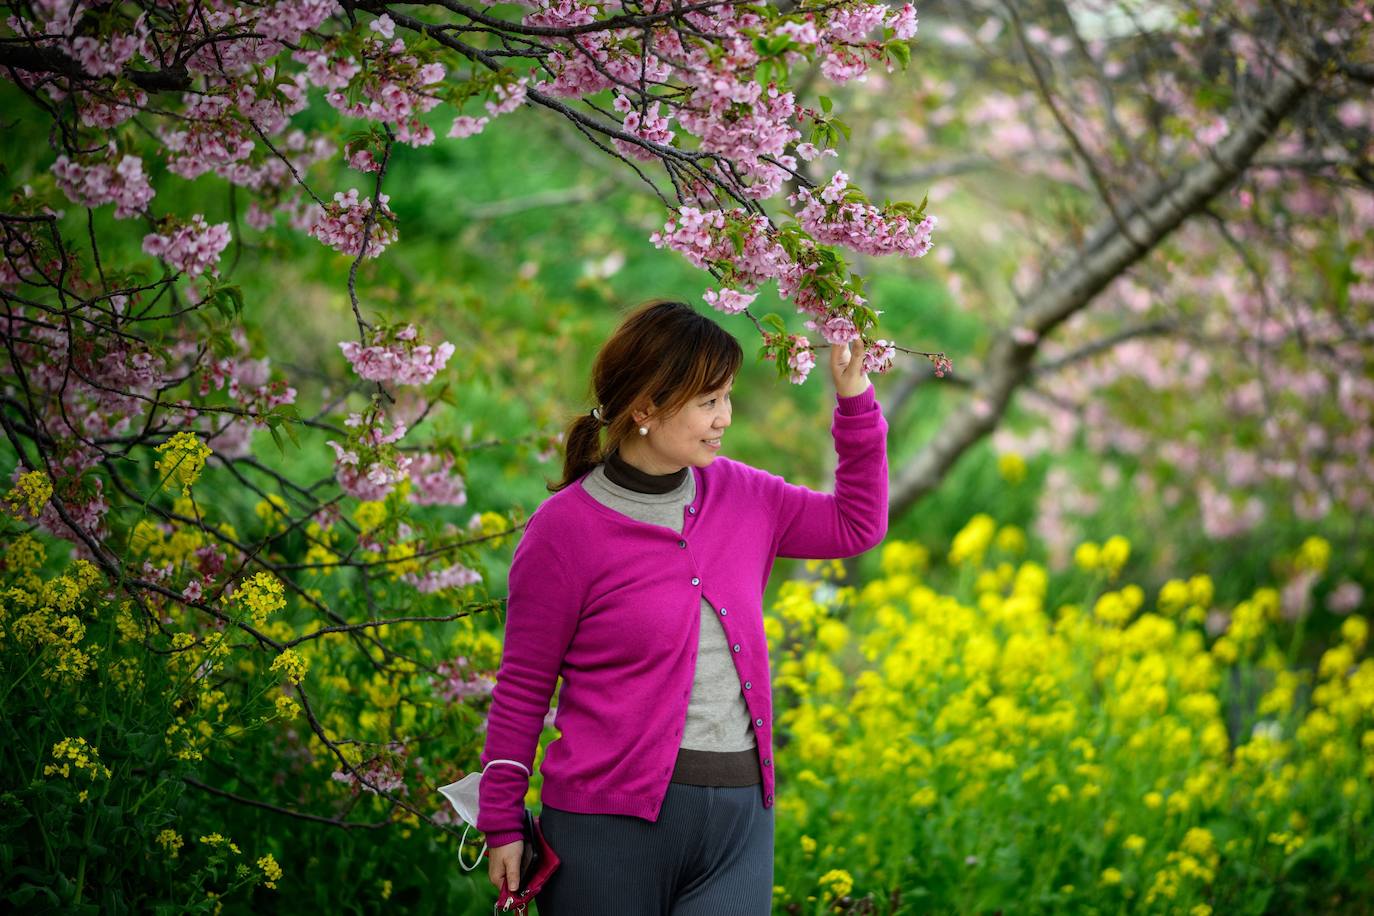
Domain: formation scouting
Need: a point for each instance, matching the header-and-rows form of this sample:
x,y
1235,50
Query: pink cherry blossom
x,y
398,359
192,248
125,184
340,224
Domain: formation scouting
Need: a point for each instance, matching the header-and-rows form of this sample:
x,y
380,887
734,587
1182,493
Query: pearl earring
x,y
644,430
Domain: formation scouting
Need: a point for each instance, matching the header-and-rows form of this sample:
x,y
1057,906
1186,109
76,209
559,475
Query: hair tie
x,y
596,413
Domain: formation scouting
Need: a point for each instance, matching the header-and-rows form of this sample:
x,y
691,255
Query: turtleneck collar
x,y
622,473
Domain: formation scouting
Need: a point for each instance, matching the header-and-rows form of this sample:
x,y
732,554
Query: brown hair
x,y
663,354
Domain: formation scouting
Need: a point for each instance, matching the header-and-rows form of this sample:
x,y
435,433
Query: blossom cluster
x,y
123,184
339,224
457,681
454,576
396,357
192,247
834,219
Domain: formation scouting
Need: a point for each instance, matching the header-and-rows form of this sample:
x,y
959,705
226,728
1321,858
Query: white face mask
x,y
463,796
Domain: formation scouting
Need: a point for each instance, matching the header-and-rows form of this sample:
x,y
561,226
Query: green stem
x,y
33,664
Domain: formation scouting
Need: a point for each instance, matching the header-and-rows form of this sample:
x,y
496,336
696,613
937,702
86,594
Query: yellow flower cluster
x,y
217,840
273,512
1109,557
1012,467
44,618
1313,555
30,493
260,595
838,882
291,664
369,515
1004,703
171,841
271,871
75,754
972,542
183,458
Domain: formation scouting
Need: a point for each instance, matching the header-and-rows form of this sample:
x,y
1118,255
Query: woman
x,y
640,582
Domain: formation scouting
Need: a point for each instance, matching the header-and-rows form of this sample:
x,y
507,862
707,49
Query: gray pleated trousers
x,y
710,853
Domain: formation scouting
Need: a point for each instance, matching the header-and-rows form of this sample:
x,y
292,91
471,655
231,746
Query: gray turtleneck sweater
x,y
718,744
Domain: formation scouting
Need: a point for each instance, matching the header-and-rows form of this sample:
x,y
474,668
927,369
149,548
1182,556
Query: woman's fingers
x,y
504,865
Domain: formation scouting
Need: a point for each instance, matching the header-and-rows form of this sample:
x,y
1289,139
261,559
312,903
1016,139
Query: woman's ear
x,y
642,414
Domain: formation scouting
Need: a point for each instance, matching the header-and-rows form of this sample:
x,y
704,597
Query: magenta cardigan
x,y
613,604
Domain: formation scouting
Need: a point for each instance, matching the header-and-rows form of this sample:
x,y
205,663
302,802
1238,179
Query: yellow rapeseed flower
x,y
370,515
1011,539
1087,556
260,595
271,871
1355,630
1111,876
1114,554
832,635
903,557
1012,467
972,541
183,458
838,881
1200,590
1313,555
30,493
924,797
292,665
171,841
273,511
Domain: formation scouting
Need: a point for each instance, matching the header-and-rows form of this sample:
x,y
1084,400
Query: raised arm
x,y
853,519
541,616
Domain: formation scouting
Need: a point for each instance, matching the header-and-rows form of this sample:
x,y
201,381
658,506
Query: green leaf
x,y
826,104
774,320
901,51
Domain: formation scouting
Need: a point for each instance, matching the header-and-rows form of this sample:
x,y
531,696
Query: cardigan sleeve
x,y
815,525
542,611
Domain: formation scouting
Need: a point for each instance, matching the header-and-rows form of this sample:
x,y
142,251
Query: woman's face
x,y
692,436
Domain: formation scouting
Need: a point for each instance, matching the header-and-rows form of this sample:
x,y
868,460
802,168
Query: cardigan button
x,y
682,543
748,685
759,723
696,581
767,762
692,510
769,798
736,647
722,612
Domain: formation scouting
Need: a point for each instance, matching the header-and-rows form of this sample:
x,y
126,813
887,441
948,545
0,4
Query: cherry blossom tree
x,y
130,375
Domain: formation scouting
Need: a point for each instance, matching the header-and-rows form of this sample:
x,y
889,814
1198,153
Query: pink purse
x,y
539,862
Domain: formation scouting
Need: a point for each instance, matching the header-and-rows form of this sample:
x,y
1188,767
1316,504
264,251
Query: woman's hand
x,y
847,368
504,862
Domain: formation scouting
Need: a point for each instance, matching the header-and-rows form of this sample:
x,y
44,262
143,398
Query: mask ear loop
x,y
478,860
467,826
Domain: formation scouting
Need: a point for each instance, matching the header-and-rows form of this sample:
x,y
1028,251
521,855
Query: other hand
x,y
504,862
847,368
